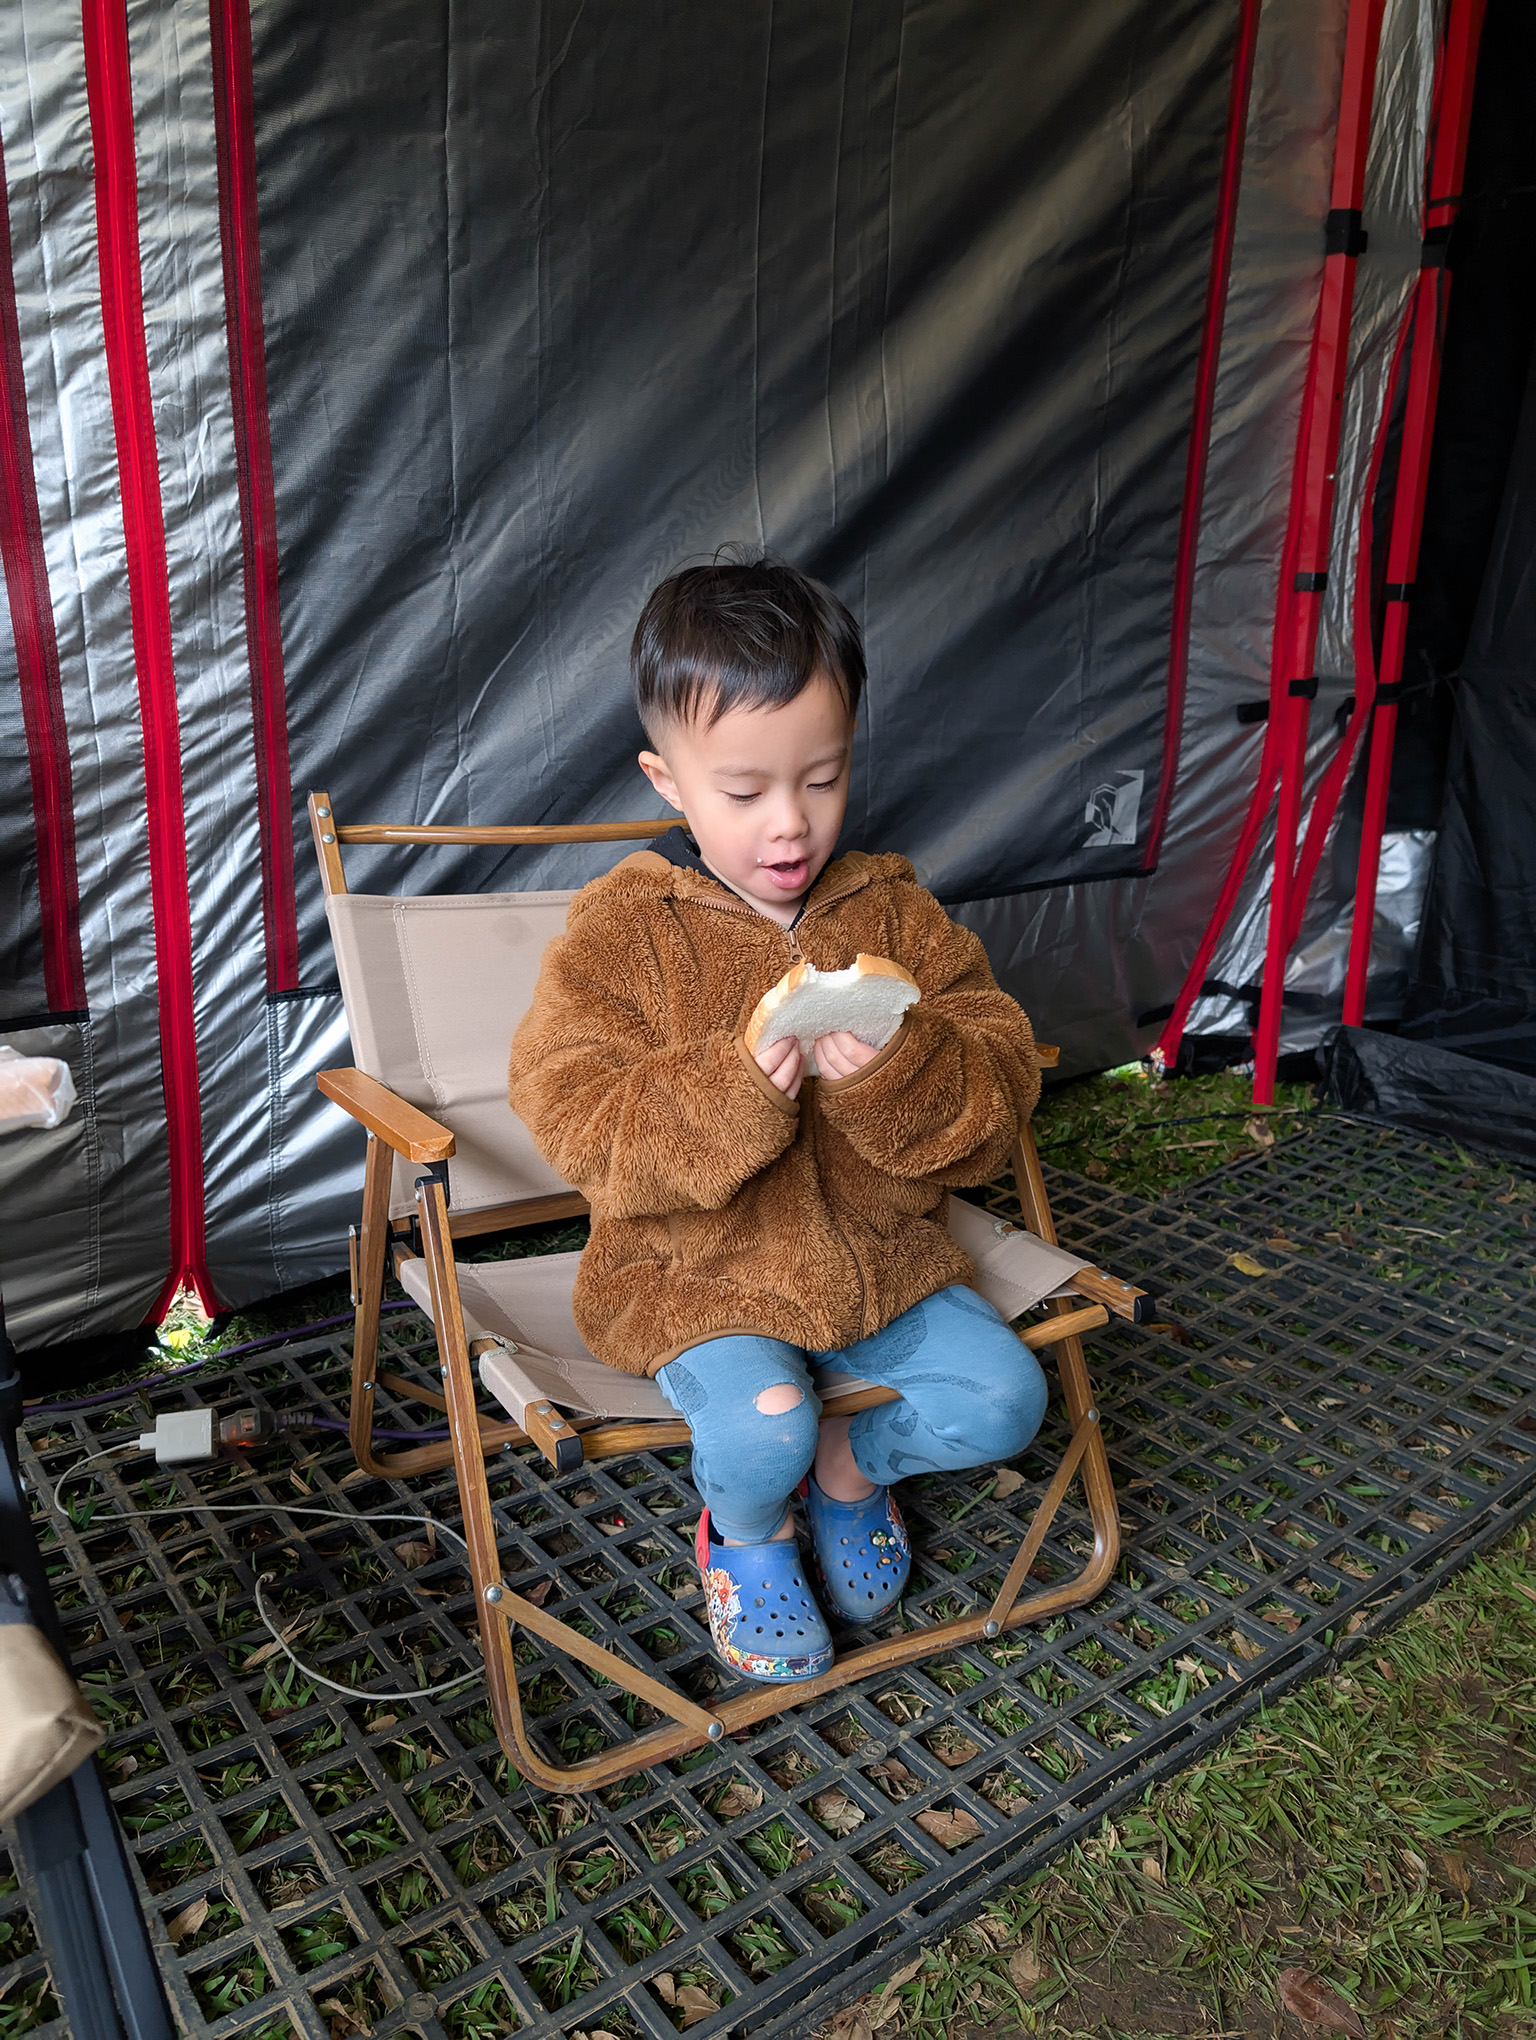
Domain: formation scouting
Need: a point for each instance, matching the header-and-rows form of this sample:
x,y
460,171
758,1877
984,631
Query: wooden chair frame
x,y
395,1127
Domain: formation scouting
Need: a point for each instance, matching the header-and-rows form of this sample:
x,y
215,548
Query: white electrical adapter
x,y
180,1438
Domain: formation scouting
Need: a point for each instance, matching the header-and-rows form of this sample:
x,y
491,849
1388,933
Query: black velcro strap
x,y
1436,249
1252,712
1343,233
1399,591
1303,690
1390,693
1310,584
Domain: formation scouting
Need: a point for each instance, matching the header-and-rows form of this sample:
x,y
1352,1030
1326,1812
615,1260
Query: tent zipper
x,y
797,956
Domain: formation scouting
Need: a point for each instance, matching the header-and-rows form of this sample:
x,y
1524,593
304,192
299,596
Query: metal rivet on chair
x,y
327,839
493,1591
365,1386
324,813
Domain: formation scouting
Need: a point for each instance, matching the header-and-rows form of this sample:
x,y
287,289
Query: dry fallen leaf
x,y
1008,1483
1529,1592
1245,1646
739,1797
1151,1869
1256,1130
1454,1864
836,1811
351,1480
1245,1264
894,1777
1421,1521
954,1749
1291,1424
1280,1244
413,1552
187,1921
539,1592
1024,1971
264,1651
950,1826
1308,1998
666,1989
124,1767
381,1722
851,2025
695,2004
343,2021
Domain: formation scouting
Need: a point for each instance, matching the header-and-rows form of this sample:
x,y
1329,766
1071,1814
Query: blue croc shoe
x,y
762,1614
862,1552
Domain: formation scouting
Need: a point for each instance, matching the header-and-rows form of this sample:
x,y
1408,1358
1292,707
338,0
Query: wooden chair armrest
x,y
398,1125
1123,1298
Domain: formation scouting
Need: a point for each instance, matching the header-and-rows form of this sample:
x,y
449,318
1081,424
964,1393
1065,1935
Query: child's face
x,y
763,791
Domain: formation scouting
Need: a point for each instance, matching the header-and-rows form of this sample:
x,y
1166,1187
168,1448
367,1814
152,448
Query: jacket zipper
x,y
797,956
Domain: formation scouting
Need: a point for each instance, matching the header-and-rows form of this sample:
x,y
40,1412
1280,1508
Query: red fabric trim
x,y
235,138
110,100
1204,408
37,662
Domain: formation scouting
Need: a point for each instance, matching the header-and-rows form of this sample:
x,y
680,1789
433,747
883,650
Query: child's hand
x,y
783,1064
840,1054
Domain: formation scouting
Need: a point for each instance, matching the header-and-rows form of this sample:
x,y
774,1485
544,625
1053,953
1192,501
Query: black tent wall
x,y
366,374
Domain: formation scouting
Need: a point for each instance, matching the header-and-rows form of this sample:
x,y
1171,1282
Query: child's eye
x,y
822,785
741,796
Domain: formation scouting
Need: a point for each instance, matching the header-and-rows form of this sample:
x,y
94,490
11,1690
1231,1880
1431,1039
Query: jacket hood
x,y
647,875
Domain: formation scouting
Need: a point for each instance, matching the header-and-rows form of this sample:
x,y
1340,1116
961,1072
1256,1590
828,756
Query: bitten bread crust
x,y
769,1004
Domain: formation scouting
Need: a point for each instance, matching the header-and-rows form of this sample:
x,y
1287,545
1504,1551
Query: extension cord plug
x,y
180,1438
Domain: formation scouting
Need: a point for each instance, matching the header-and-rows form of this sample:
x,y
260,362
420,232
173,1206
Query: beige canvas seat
x,y
434,987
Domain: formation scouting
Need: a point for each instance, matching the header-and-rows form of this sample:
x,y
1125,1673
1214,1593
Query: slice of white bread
x,y
867,1000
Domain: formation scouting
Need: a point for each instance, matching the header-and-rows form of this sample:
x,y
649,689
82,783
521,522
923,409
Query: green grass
x,y
1375,1828
1149,1138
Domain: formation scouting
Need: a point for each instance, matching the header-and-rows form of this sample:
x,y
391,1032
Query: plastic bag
x,y
35,1090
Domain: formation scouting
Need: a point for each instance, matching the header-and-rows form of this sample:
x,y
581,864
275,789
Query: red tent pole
x,y
1448,155
1331,787
1304,562
1364,28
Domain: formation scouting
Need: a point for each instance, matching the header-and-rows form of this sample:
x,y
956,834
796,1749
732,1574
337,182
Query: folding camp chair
x,y
434,987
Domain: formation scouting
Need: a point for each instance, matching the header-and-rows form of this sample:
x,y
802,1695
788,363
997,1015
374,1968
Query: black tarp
x,y
1474,987
1414,1083
910,293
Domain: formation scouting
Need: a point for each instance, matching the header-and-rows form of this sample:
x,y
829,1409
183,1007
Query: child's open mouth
x,y
790,875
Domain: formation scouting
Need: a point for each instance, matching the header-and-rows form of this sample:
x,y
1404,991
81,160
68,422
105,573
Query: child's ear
x,y
654,766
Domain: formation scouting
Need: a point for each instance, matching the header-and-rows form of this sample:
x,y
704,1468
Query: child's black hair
x,y
743,632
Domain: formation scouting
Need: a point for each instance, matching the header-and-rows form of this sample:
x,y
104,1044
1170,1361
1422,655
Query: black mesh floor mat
x,y
1336,1407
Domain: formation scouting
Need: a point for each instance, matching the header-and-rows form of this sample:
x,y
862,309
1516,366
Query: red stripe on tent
x,y
109,97
1204,408
234,129
37,662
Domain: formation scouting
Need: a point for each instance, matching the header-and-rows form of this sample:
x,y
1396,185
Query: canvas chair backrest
x,y
434,989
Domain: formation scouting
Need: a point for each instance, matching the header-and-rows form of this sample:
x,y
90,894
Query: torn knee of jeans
x,y
778,1400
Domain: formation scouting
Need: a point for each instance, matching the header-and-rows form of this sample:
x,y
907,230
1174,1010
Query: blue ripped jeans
x,y
970,1393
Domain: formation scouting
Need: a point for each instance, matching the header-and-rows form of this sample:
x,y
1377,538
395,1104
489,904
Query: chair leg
x,y
690,1725
370,1287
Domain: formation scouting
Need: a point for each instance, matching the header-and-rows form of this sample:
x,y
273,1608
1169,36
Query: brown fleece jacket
x,y
718,1204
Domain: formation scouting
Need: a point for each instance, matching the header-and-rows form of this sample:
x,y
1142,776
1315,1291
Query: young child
x,y
750,1222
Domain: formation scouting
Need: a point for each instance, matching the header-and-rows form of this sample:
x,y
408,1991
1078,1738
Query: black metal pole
x,y
89,1918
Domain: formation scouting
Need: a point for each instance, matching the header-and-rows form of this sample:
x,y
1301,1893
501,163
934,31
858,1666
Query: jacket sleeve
x,y
646,1126
946,1097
